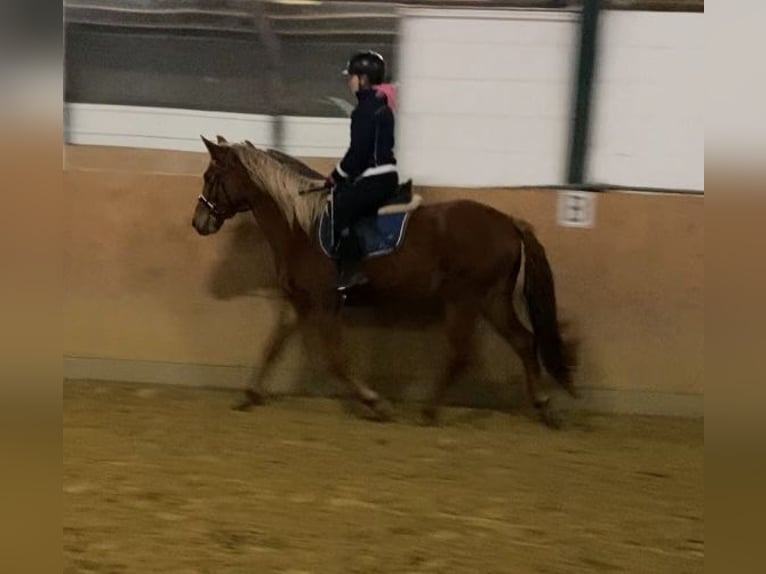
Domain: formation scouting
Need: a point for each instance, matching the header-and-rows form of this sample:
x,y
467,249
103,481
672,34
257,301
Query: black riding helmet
x,y
367,63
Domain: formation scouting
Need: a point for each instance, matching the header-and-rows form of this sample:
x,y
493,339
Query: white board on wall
x,y
648,123
485,96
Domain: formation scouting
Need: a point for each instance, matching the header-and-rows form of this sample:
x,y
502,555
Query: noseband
x,y
213,208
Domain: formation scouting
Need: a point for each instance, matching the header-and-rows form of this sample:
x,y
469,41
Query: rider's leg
x,y
348,204
362,199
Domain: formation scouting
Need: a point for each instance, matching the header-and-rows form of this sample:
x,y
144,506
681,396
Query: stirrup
x,y
349,278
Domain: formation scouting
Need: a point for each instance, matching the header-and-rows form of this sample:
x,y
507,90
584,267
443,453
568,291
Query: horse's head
x,y
223,192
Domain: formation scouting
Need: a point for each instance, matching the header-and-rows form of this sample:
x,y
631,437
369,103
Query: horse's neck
x,y
281,236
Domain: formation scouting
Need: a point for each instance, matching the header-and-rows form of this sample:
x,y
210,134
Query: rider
x,y
367,175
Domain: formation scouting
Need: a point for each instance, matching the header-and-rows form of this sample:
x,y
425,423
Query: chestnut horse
x,y
467,256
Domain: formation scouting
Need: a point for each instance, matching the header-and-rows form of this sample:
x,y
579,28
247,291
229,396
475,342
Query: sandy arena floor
x,y
160,479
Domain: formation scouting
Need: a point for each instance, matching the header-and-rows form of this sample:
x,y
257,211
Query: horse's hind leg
x,y
255,393
461,327
504,319
328,327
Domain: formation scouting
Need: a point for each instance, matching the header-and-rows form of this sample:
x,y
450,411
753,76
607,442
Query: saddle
x,y
377,235
403,201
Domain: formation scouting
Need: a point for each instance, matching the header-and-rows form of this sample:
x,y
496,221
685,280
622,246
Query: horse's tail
x,y
558,357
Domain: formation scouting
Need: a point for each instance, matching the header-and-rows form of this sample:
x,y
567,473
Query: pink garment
x,y
388,90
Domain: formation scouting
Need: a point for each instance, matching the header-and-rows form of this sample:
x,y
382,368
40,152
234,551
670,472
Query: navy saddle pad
x,y
378,235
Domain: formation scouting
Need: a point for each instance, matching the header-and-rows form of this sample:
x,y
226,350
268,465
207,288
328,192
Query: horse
x,y
474,260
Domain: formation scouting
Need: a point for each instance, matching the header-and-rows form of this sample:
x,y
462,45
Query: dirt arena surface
x,y
169,479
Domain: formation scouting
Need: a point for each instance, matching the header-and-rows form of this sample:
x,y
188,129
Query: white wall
x,y
165,128
648,126
485,96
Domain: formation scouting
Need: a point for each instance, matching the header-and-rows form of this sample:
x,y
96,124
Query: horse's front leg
x,y
255,393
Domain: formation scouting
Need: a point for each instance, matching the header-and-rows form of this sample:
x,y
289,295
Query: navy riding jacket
x,y
371,151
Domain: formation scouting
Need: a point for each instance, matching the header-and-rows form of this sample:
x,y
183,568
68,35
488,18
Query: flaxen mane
x,y
283,184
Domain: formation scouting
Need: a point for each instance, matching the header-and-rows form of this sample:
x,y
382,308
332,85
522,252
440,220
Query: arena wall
x,y
147,299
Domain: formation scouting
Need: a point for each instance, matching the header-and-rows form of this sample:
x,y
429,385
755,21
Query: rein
x,y
318,189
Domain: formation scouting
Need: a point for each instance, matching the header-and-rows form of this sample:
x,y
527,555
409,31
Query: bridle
x,y
211,205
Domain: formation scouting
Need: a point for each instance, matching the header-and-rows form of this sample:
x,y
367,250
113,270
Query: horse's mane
x,y
278,175
296,164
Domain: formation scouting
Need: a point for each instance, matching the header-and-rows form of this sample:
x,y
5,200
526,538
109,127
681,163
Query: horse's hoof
x,y
377,410
242,406
429,416
549,417
253,400
552,420
256,399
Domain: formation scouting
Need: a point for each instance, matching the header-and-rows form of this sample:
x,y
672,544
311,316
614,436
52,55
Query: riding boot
x,y
350,271
350,274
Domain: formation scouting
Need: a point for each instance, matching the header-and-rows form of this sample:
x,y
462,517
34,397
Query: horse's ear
x,y
250,144
217,153
211,147
221,139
